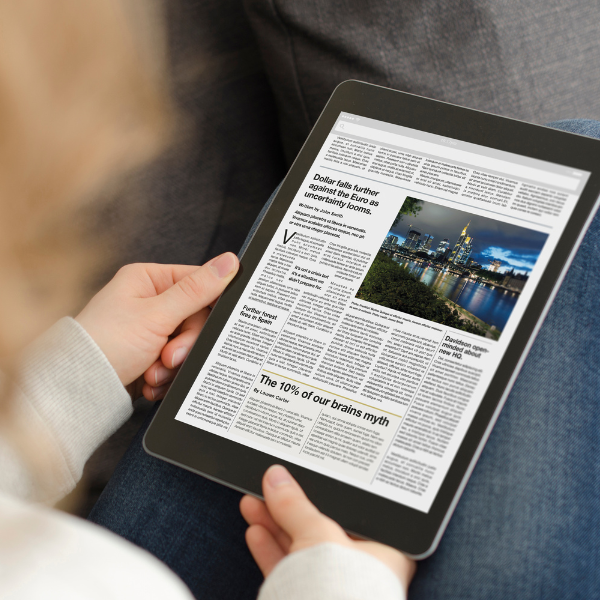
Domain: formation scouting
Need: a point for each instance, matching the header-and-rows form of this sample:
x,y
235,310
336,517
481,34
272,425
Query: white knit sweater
x,y
72,399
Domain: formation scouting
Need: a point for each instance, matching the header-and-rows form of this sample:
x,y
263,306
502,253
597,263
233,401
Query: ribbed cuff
x,y
66,379
331,572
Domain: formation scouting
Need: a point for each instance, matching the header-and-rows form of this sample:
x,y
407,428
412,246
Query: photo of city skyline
x,y
513,247
452,267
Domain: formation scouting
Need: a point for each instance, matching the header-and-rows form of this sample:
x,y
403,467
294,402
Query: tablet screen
x,y
372,327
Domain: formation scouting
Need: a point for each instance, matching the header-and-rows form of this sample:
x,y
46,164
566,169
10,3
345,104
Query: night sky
x,y
516,247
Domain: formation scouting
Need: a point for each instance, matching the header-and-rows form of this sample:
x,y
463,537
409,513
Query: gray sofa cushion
x,y
536,60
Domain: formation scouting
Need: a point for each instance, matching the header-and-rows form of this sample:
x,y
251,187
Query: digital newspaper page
x,y
370,330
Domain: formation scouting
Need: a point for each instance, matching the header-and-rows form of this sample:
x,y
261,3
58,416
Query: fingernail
x,y
156,392
161,374
224,265
277,476
179,356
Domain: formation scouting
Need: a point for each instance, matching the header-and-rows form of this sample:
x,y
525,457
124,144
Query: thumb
x,y
198,289
295,514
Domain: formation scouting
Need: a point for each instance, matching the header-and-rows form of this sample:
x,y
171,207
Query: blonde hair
x,y
83,99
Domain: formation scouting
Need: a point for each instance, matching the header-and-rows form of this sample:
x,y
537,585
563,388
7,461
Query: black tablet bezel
x,y
359,511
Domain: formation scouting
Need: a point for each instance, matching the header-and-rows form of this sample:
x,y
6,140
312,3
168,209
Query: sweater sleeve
x,y
69,400
331,572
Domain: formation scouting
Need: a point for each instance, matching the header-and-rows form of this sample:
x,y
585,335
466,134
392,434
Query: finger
x,y
294,513
161,277
157,374
152,279
196,290
177,349
155,393
252,509
255,512
264,548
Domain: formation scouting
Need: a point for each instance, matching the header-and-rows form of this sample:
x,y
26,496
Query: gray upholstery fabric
x,y
536,60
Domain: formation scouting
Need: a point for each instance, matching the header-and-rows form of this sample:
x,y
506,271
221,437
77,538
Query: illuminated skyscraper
x,y
465,252
442,247
425,242
391,242
412,239
495,266
462,249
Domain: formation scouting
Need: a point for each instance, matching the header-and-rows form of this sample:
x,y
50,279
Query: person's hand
x,y
148,317
287,522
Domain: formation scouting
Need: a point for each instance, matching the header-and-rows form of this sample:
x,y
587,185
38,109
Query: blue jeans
x,y
527,526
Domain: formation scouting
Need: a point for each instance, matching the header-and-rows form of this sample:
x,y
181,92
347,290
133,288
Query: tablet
x,y
383,310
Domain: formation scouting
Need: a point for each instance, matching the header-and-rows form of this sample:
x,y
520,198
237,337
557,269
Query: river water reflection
x,y
493,306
